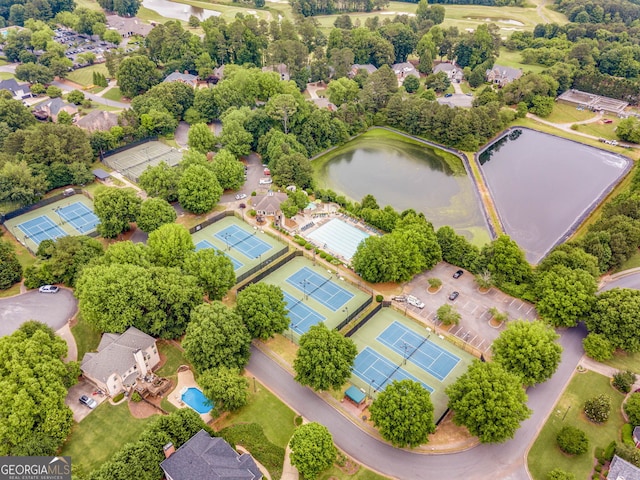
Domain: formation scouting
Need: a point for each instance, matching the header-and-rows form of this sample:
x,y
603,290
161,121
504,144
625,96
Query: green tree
x,y
411,84
235,138
292,169
629,130
312,450
76,97
161,181
228,170
529,350
116,208
136,75
632,409
571,256
10,268
34,73
216,337
225,388
64,118
623,381
289,208
489,401
572,440
263,309
506,262
214,271
598,408
456,249
614,316
598,347
14,114
559,474
125,253
282,108
324,359
198,189
201,138
169,245
448,315
343,90
155,212
19,184
403,413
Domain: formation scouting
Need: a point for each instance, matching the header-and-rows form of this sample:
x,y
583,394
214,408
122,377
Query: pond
x,y
178,11
405,173
544,186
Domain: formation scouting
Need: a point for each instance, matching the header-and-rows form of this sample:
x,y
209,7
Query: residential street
x,y
54,309
504,461
68,87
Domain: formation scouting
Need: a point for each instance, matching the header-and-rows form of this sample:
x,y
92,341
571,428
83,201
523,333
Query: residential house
x,y
502,76
357,67
19,91
403,70
128,26
453,71
636,436
98,120
280,69
186,78
203,457
269,205
120,360
51,108
324,103
622,470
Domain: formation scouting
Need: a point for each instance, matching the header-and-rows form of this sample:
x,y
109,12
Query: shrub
x,y
627,434
632,409
253,194
572,440
623,381
434,282
252,212
599,454
118,397
136,397
597,347
448,315
609,451
379,298
598,468
559,474
308,246
323,255
597,409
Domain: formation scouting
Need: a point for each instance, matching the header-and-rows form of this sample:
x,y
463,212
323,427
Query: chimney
x,y
138,355
169,450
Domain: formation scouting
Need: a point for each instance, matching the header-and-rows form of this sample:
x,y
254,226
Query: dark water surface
x,y
544,185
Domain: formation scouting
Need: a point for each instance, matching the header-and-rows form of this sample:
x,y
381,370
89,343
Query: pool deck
x,y
185,380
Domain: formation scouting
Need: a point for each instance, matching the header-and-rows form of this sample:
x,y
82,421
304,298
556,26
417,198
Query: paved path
x,y
68,86
505,461
627,279
54,309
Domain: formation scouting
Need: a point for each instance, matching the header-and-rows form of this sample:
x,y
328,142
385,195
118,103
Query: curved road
x,y
631,280
505,461
54,309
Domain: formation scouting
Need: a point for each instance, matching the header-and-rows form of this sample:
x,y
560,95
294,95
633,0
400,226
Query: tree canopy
x,y
489,401
312,449
10,267
214,271
198,189
263,309
324,359
169,245
155,212
116,208
615,316
403,413
225,388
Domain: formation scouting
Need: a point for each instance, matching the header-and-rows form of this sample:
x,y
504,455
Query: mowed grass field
x,y
84,76
545,455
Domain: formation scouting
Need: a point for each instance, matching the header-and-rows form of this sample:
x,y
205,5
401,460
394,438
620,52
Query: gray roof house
x,y
186,78
636,436
18,90
356,66
120,360
203,457
403,70
269,204
280,69
503,75
128,26
453,71
622,470
98,120
51,108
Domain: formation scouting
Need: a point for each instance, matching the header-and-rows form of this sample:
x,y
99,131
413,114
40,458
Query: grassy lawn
x,y
600,129
94,440
361,474
90,4
113,94
544,456
84,76
96,89
6,75
513,59
625,361
565,113
175,358
87,338
632,262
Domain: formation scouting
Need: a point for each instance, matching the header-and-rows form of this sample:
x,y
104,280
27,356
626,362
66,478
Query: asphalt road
x,y
628,281
54,309
504,461
93,97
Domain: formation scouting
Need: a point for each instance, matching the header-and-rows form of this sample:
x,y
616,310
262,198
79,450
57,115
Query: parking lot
x,y
78,44
473,305
83,387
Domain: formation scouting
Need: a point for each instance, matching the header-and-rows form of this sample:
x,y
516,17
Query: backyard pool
x,y
195,399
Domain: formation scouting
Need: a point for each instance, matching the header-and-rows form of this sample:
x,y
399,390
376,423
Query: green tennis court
x,y
393,347
305,309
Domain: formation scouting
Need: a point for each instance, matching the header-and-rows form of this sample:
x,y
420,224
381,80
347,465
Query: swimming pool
x,y
196,400
339,236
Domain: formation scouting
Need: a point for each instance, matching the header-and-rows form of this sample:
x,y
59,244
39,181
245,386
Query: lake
x,y
405,173
178,11
544,186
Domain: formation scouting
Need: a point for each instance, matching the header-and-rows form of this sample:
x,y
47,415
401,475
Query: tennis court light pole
x,y
346,309
304,284
405,345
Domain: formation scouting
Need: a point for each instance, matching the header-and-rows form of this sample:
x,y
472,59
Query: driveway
x,y
624,280
255,171
54,309
474,306
502,461
83,387
457,100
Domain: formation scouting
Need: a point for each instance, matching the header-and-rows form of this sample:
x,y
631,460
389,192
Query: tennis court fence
x,y
126,147
267,271
355,313
42,203
364,320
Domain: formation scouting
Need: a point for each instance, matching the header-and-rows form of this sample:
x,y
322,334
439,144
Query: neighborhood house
x,y
502,76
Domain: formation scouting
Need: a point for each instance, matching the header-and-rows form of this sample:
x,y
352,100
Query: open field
x,y
113,94
545,455
601,129
625,361
565,113
513,59
84,76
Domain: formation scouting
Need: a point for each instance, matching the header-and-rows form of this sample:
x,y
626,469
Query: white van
x,y
265,181
416,302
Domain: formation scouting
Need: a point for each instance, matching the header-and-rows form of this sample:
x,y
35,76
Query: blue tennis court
x,y
79,216
323,290
302,317
41,228
418,350
246,243
205,244
339,236
378,371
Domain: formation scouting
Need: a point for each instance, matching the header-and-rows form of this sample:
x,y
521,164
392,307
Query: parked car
x,y
89,402
48,289
447,95
458,274
399,298
265,181
416,302
267,171
240,196
454,295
